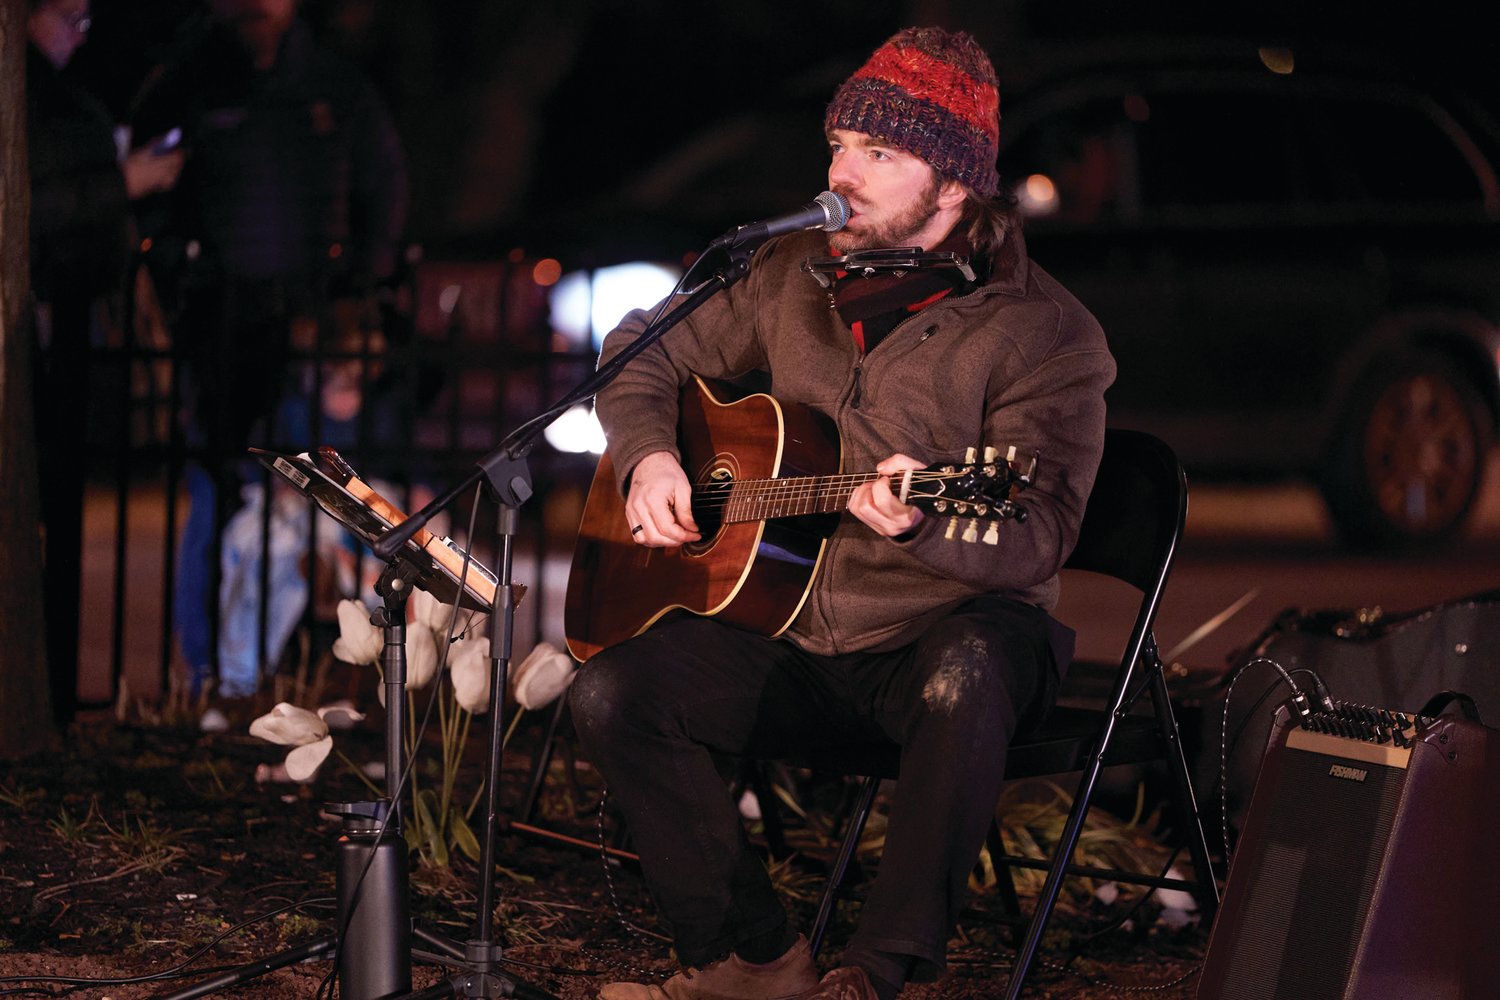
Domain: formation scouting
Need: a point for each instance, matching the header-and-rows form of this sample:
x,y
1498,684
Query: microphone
x,y
828,212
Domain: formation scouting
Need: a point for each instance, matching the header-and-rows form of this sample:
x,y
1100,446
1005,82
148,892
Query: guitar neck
x,y
764,499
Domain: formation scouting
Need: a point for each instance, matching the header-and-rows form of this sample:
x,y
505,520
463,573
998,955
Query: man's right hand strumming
x,y
660,502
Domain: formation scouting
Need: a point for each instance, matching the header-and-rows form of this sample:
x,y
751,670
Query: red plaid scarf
x,y
873,306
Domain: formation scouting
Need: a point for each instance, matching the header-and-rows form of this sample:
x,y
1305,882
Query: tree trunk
x,y
25,710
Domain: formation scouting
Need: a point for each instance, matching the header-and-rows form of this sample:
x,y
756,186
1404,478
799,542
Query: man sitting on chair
x,y
940,646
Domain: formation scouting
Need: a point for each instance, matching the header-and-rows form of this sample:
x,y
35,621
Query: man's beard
x,y
896,232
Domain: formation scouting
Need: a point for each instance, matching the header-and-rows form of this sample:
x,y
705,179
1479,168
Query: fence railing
x,y
465,352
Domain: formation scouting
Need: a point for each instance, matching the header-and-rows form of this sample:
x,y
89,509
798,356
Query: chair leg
x,y
753,777
1188,817
1005,882
541,762
852,834
1061,858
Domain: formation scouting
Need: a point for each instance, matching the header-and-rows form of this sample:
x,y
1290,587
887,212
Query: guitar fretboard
x,y
762,499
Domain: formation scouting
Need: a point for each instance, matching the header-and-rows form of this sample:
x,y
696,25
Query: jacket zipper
x,y
857,392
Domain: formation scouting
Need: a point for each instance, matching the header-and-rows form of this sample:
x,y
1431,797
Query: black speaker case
x,y
1376,888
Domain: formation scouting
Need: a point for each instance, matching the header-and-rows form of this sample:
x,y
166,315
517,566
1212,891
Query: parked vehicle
x,y
1297,263
1298,268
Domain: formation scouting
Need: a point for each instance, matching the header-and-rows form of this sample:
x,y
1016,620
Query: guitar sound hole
x,y
708,507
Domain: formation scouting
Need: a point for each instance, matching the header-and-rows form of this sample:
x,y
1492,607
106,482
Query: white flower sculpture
x,y
540,678
359,641
535,682
469,663
305,732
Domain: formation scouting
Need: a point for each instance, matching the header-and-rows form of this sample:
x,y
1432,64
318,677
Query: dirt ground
x,y
149,852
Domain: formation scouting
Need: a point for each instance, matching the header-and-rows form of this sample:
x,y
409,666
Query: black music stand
x,y
373,939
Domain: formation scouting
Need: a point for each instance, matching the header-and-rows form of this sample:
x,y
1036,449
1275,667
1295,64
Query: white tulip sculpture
x,y
437,822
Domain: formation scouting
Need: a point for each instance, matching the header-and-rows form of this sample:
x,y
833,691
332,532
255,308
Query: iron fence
x,y
464,351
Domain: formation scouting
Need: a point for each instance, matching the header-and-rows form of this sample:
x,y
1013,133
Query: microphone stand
x,y
509,481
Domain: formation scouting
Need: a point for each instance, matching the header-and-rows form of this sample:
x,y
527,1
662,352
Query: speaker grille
x,y
1310,879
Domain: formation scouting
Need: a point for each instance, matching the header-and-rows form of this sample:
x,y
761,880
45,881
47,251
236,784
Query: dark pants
x,y
650,712
234,338
62,399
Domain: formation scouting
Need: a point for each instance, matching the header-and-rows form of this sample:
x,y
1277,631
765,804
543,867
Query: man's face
x,y
57,28
895,197
260,23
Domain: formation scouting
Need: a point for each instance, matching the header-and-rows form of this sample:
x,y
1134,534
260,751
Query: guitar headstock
x,y
973,492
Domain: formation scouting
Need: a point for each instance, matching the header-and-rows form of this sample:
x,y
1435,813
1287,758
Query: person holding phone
x,y
81,194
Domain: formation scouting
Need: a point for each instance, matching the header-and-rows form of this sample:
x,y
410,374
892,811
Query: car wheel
x,y
1411,459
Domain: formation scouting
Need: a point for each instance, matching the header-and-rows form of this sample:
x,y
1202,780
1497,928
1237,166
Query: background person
x,y
289,215
82,186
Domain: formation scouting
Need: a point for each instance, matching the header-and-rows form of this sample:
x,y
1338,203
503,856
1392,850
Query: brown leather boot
x,y
730,979
847,982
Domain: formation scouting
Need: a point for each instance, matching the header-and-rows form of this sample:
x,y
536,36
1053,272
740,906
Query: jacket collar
x,y
1010,267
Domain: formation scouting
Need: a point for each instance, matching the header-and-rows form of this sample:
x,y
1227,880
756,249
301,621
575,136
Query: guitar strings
x,y
712,497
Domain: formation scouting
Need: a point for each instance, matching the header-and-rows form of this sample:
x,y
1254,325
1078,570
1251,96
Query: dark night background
x,y
599,129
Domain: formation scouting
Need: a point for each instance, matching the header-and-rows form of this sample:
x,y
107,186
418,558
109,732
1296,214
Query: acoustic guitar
x,y
766,496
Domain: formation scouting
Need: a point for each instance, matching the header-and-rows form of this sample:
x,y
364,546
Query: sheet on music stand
x,y
438,576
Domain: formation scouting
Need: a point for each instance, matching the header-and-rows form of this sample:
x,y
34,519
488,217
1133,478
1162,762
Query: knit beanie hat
x,y
932,93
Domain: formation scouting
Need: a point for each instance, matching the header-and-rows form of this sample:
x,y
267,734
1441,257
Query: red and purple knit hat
x,y
932,93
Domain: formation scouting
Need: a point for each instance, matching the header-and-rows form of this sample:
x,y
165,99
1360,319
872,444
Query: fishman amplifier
x,y
1369,863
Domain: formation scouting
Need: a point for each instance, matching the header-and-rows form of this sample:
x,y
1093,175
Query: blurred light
x,y
1137,109
336,251
515,255
146,245
587,305
448,298
569,302
576,431
546,272
1277,60
1037,195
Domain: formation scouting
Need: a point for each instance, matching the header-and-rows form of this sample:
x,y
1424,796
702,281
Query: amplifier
x,y
1369,864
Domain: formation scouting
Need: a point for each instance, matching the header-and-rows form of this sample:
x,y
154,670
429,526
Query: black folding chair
x,y
1130,531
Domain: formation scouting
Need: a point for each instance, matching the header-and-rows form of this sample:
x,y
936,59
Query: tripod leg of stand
x,y
543,760
316,949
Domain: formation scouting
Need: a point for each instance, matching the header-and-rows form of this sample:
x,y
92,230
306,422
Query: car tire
x,y
1411,459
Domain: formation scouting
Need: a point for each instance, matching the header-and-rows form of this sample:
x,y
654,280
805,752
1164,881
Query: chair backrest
x,y
1135,513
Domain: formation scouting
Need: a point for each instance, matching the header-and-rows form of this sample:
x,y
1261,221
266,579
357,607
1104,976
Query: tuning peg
x,y
992,534
952,526
989,454
971,530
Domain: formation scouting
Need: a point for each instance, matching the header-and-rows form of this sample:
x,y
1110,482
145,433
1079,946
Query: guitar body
x,y
754,574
